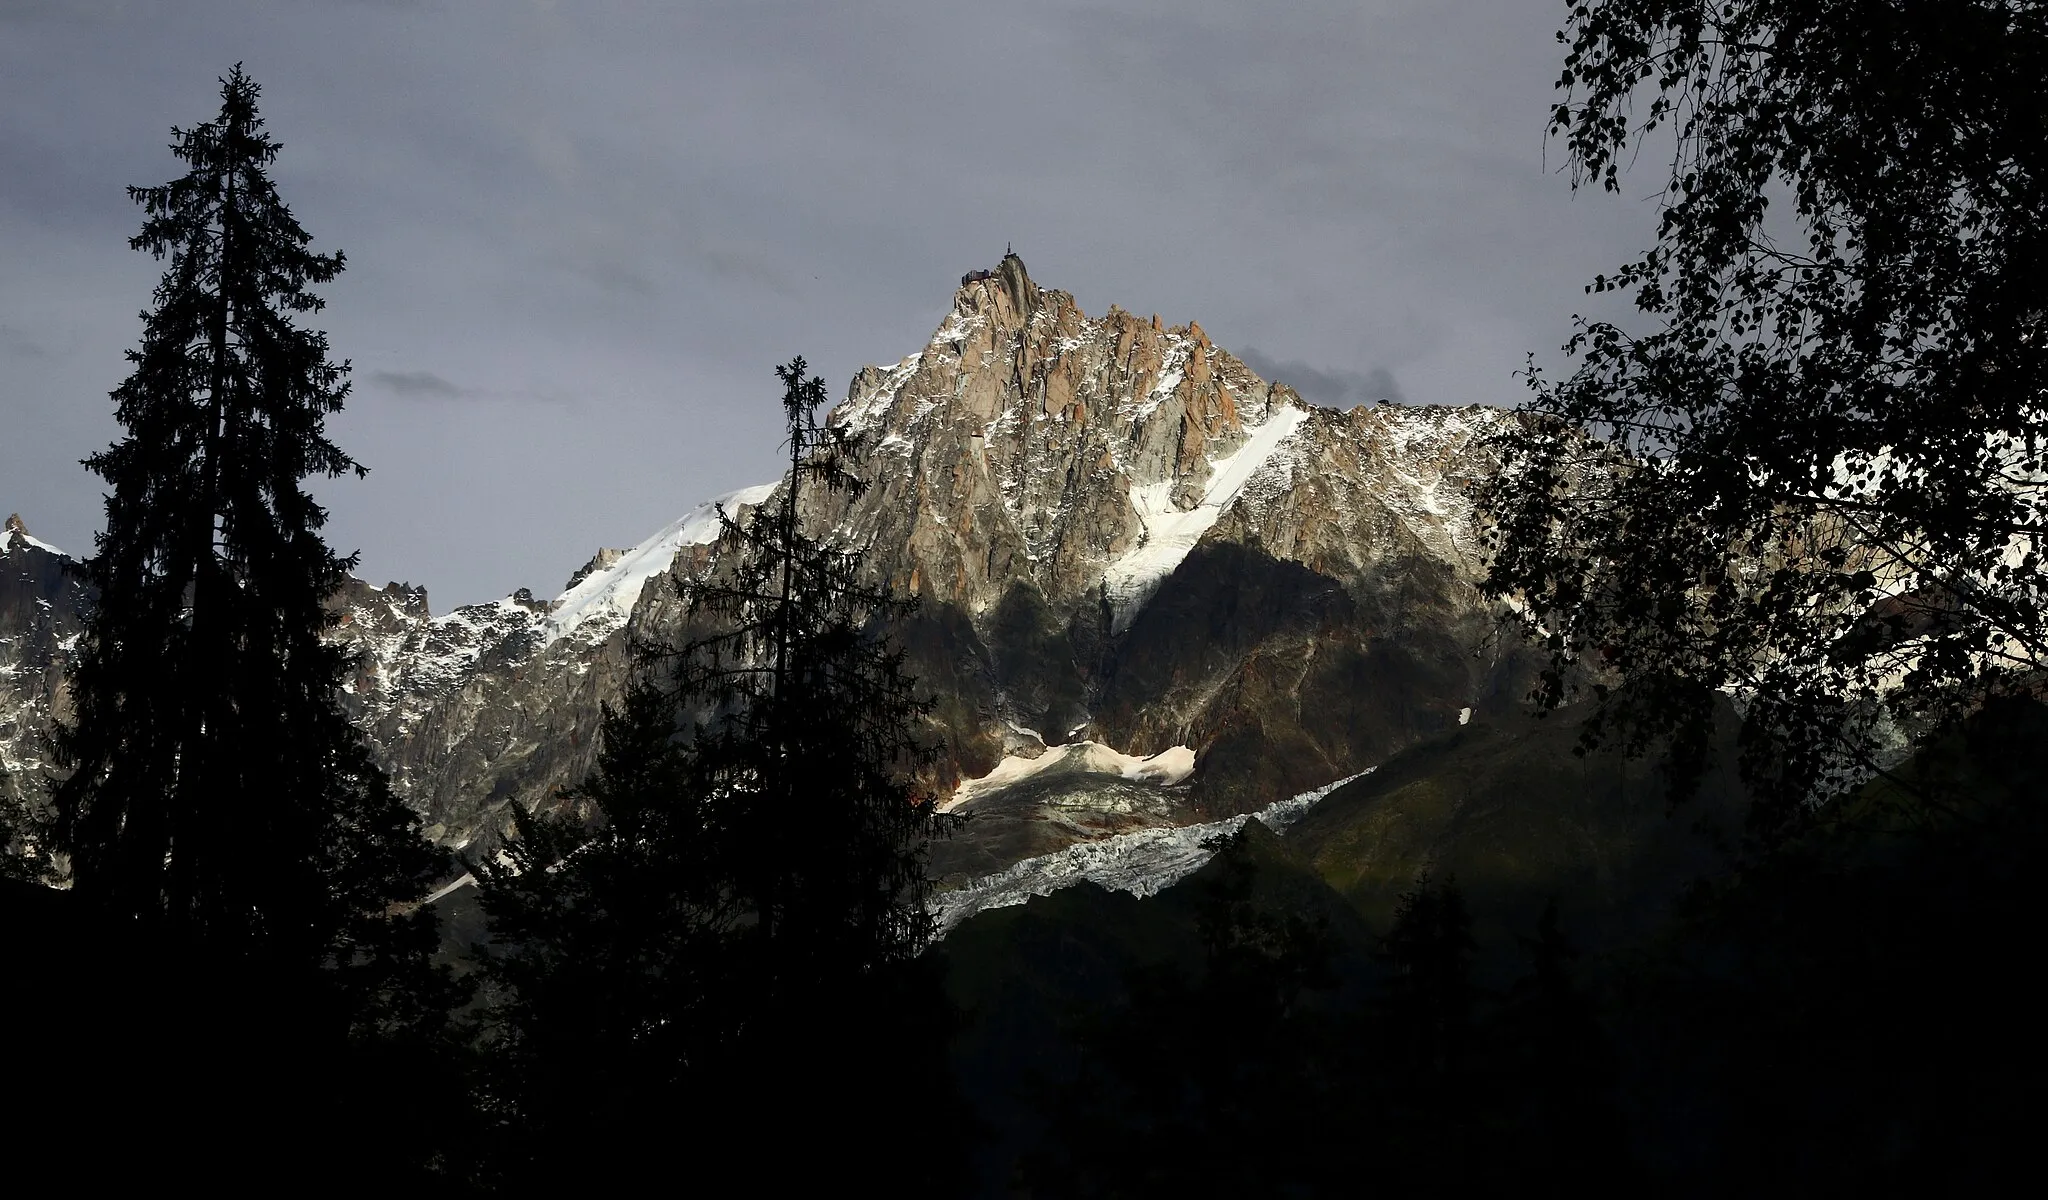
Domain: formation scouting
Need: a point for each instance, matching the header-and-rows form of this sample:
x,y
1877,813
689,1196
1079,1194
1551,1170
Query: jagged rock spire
x,y
1014,281
1017,281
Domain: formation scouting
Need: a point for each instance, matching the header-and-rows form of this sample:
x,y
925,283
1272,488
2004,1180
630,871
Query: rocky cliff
x,y
1129,551
42,607
1121,534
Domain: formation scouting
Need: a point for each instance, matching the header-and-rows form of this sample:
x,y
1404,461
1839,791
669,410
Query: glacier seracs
x,y
1142,862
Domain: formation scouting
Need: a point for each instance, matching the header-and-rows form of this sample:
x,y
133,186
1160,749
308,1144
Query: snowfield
x,y
1171,534
600,602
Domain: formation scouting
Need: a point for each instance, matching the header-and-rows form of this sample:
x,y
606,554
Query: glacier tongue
x,y
1142,862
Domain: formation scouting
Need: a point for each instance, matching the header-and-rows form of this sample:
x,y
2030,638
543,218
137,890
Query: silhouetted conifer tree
x,y
220,812
728,930
810,756
216,790
617,936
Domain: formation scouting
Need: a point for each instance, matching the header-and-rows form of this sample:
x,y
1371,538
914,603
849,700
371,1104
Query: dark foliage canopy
x,y
1186,1082
1815,476
1429,950
818,738
217,794
736,900
1288,1053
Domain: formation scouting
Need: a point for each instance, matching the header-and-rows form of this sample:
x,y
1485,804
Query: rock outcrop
x,y
42,607
1121,533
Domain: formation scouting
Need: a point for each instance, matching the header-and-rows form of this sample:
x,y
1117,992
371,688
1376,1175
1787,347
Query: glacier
x,y
1142,862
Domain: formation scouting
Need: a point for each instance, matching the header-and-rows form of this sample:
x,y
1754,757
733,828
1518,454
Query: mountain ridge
x,y
1118,533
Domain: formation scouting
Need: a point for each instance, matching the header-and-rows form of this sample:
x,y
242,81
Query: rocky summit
x,y
1154,590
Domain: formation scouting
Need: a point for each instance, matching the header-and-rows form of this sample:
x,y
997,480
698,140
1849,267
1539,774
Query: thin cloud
x,y
418,385
427,387
617,279
17,344
1329,387
749,267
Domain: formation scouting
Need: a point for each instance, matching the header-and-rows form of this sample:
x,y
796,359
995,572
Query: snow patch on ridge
x,y
600,603
1170,533
860,411
11,535
1142,863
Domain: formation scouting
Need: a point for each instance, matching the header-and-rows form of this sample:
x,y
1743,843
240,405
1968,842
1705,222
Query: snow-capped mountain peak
x,y
1221,594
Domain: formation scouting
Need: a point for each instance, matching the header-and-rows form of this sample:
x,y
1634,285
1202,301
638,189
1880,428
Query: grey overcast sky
x,y
581,235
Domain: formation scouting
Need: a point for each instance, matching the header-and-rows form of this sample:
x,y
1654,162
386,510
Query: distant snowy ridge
x,y
415,667
1142,862
600,602
39,634
37,542
16,530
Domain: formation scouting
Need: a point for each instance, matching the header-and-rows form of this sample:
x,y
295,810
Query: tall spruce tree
x,y
217,799
810,758
613,971
728,925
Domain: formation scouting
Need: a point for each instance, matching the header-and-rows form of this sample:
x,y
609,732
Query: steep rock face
x,y
1029,444
42,608
500,703
1118,534
1343,622
1121,533
446,701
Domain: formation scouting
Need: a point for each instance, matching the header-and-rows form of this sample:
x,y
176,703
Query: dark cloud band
x,y
416,385
1329,387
